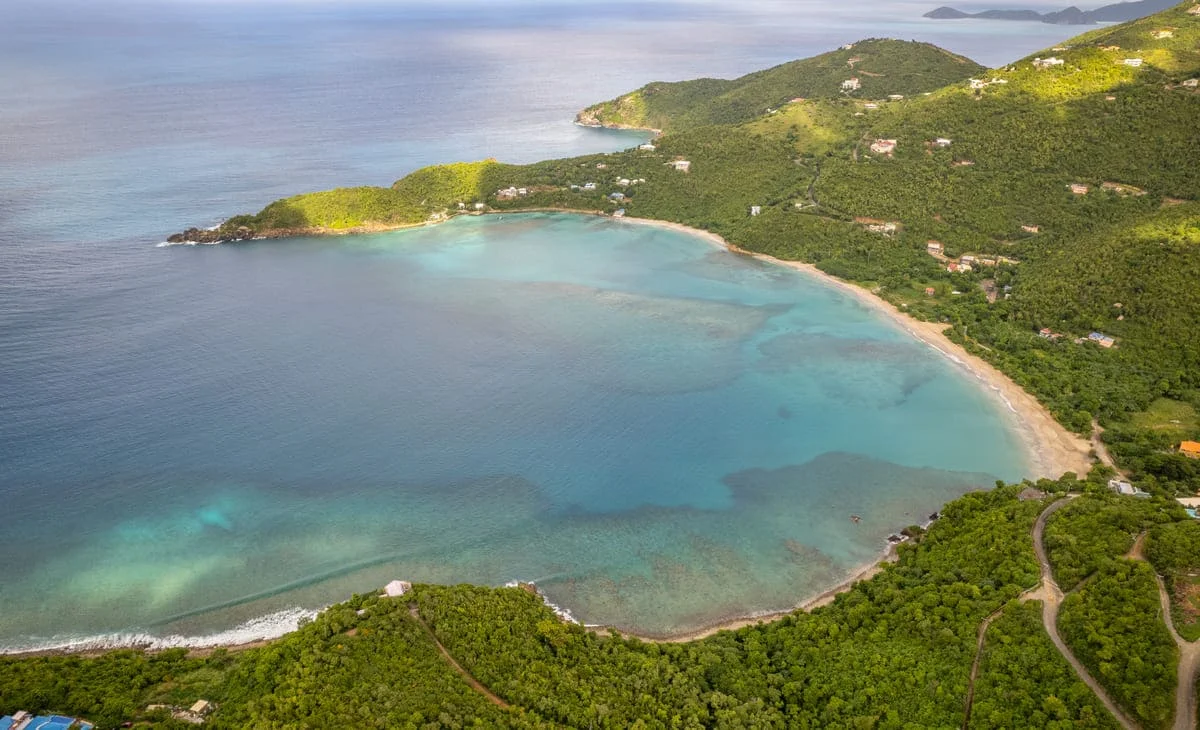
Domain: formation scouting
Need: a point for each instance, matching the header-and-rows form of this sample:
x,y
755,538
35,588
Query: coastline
x,y
1052,449
826,597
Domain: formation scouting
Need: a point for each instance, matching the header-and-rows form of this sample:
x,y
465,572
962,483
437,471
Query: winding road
x,y
1189,652
475,684
1051,597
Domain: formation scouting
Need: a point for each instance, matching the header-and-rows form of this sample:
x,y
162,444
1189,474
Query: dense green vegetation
x,y
1095,530
1174,551
882,67
1024,681
1114,626
1121,260
895,651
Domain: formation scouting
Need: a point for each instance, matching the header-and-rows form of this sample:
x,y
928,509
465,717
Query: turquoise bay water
x,y
660,433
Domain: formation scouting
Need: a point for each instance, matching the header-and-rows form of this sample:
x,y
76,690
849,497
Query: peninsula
x,y
1045,215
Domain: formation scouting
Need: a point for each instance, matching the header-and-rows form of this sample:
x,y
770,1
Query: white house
x,y
851,84
647,147
883,146
397,588
942,142
1047,62
755,209
1132,62
682,165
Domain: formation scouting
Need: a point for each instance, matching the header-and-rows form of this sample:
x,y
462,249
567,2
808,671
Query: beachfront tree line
x,y
893,651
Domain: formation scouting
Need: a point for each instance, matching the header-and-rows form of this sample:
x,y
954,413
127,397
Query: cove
x,y
660,433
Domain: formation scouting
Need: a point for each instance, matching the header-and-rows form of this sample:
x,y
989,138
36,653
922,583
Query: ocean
x,y
212,441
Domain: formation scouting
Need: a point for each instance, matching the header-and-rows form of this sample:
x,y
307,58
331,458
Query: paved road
x,y
1052,596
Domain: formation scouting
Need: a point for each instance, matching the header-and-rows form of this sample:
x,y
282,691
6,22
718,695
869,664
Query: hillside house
x,y
1194,10
884,147
930,291
1121,189
966,260
1102,339
624,182
870,106
1190,449
942,142
977,83
601,166
647,147
589,186
963,163
616,196
851,84
619,213
1120,486
1161,34
755,209
506,194
682,165
1078,188
397,588
1031,229
480,206
1190,83
1110,49
934,248
895,97
1132,62
1043,63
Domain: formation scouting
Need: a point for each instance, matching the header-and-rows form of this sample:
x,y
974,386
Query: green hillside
x,y
982,170
880,68
894,652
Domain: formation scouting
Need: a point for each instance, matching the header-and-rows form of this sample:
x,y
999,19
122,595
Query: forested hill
x,y
878,68
1047,211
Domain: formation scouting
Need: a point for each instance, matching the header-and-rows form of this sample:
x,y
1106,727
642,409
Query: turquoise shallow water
x,y
198,439
661,434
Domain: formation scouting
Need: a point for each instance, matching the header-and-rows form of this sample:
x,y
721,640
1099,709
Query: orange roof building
x,y
1190,448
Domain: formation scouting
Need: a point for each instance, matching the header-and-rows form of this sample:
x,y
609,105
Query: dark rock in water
x,y
204,235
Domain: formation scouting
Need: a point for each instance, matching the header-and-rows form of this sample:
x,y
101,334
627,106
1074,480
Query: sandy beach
x,y
1052,449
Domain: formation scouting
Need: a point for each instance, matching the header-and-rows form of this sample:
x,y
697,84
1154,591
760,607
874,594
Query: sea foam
x,y
270,626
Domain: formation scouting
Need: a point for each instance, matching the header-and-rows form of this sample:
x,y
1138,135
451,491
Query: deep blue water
x,y
660,433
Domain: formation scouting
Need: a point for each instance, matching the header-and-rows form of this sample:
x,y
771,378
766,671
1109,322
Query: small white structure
x,y
942,142
1079,188
755,209
623,182
1047,62
872,106
895,97
682,165
619,213
976,83
883,146
647,147
1160,34
934,248
397,588
851,84
589,186
1132,62
1191,83
201,707
479,206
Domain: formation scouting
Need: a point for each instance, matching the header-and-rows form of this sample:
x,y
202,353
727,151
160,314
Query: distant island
x,y
1115,13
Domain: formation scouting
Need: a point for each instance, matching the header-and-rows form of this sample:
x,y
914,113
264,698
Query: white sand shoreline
x,y
1051,448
